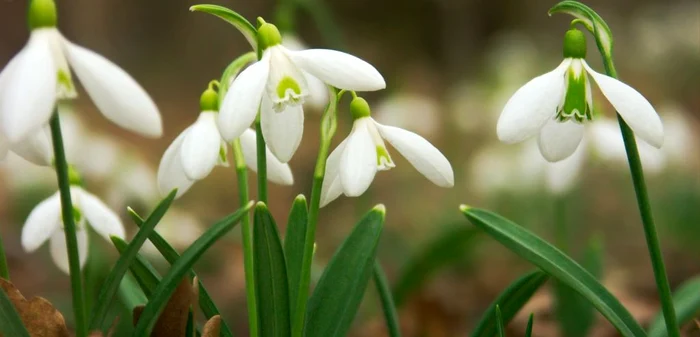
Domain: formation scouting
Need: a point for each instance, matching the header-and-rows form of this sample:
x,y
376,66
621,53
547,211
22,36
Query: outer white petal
x,y
200,148
632,106
115,93
532,105
318,92
282,130
36,148
240,106
358,163
277,172
28,88
100,217
339,69
559,140
562,176
43,221
171,174
425,157
332,188
59,249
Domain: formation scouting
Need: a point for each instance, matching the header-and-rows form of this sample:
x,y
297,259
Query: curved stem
x,y
68,225
261,147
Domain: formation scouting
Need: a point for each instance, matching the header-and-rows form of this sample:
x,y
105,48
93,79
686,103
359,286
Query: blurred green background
x,y
450,66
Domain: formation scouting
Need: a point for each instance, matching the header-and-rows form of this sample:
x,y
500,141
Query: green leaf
x,y
111,283
294,246
499,322
530,323
130,293
444,250
145,275
511,300
388,306
270,276
556,264
591,20
171,255
11,322
335,301
170,281
244,26
686,301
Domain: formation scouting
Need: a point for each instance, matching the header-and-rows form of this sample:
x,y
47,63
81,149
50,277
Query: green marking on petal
x,y
384,161
77,215
223,158
287,83
576,105
65,82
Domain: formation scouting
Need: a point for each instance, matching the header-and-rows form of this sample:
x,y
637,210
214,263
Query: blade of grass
x,y
11,323
388,306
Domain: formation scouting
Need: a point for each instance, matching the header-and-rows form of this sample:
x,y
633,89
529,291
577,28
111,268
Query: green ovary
x,y
575,105
287,83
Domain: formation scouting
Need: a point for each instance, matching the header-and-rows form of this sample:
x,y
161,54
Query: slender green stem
x,y
4,270
640,189
248,262
390,315
261,148
69,226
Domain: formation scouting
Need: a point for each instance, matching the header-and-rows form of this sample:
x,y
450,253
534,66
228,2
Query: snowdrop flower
x,y
351,167
556,105
45,222
39,75
318,92
277,86
200,147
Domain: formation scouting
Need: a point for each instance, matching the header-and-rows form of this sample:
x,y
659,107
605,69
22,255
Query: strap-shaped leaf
x,y
589,18
171,280
510,301
686,301
111,283
130,293
10,322
146,276
271,283
500,326
244,26
530,324
551,260
335,301
390,316
294,246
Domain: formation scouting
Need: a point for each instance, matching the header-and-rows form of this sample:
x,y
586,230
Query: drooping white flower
x,y
318,92
556,105
277,86
45,222
39,75
351,167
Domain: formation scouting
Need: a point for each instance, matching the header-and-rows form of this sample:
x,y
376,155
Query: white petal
x,y
425,157
200,148
28,89
36,148
358,163
240,106
115,93
562,176
277,172
171,174
339,69
632,106
559,140
318,92
102,219
282,130
44,220
59,249
532,105
332,188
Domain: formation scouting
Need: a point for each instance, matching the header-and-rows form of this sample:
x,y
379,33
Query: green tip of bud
x,y
359,108
209,101
574,44
268,36
74,177
42,13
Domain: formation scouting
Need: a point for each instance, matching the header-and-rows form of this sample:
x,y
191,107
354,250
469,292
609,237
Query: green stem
x,y
248,262
68,225
261,147
640,189
390,315
4,270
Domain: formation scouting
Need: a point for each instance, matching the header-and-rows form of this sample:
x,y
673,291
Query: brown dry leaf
x,y
38,315
213,327
173,320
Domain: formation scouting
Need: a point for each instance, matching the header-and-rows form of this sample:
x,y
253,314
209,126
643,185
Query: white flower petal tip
x,y
339,69
59,249
240,106
117,95
636,110
35,148
200,149
558,141
277,172
171,174
100,217
282,130
43,221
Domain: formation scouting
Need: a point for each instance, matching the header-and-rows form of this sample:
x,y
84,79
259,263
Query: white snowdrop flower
x,y
200,147
40,75
351,167
318,92
556,105
45,222
410,111
277,86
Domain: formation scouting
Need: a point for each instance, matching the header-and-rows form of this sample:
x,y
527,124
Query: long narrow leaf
x,y
170,281
130,293
238,21
388,306
686,301
335,301
557,264
111,283
294,246
510,301
530,324
10,322
146,276
500,326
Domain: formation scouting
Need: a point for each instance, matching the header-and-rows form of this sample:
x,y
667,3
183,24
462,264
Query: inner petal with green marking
x,y
577,103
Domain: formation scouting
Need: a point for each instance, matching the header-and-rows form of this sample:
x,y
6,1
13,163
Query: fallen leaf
x,y
38,315
173,320
213,327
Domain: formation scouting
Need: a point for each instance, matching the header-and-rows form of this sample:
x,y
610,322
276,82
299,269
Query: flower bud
x,y
268,36
209,101
359,108
574,44
42,13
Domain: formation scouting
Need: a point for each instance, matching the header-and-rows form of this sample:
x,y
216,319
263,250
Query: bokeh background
x,y
450,66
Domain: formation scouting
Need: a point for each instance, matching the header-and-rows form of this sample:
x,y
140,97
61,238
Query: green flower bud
x,y
209,101
42,13
359,108
268,36
574,44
